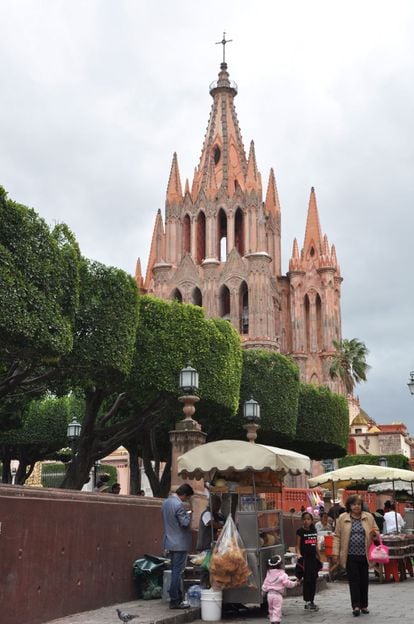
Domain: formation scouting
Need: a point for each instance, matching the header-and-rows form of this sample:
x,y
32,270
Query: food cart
x,y
242,473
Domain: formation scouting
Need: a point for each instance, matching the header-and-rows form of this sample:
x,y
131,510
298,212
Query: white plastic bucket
x,y
211,601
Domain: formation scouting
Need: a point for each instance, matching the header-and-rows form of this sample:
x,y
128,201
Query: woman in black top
x,y
307,547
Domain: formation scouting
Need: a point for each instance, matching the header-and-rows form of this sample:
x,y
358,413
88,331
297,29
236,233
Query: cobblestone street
x,y
388,602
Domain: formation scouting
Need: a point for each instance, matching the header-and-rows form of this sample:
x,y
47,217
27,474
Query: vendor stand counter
x,y
401,551
243,473
262,533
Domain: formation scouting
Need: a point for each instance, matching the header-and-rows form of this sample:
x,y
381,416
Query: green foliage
x,y
38,285
44,425
394,461
349,363
110,470
169,336
105,327
322,426
272,379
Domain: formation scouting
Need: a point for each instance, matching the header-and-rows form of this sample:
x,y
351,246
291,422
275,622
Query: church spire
x,y
272,204
138,275
174,191
157,249
313,235
223,142
253,176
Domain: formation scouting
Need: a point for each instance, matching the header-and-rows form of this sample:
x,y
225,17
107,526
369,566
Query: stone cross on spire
x,y
223,43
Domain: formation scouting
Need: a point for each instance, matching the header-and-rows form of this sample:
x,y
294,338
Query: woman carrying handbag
x,y
355,530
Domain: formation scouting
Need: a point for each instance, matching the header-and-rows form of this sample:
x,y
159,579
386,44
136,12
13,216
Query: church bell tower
x,y
220,247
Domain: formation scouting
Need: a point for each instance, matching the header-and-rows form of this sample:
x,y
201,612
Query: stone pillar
x,y
186,436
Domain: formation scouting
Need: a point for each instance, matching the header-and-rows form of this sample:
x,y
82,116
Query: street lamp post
x,y
251,412
73,433
188,384
382,461
410,384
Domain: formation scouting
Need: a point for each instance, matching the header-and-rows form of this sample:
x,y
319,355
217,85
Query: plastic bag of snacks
x,y
228,564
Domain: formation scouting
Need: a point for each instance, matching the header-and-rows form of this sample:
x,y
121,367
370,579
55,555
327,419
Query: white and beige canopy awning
x,y
229,456
344,477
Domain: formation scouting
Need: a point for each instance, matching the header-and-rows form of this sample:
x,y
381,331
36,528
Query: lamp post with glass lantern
x,y
188,384
382,461
187,433
251,413
73,433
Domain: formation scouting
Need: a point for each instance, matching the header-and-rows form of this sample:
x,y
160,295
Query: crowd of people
x,y
354,529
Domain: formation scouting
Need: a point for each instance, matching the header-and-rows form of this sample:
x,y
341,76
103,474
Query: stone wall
x,y
63,552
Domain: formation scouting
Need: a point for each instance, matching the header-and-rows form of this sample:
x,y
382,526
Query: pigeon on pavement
x,y
125,617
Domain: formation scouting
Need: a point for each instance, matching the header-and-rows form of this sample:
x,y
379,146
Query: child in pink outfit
x,y
275,584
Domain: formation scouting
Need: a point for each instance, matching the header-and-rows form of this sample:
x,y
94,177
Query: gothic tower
x,y
220,248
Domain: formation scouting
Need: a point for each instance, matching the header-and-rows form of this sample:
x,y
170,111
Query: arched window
x,y
307,323
314,379
224,303
176,295
319,332
222,235
197,297
201,237
186,235
244,308
239,231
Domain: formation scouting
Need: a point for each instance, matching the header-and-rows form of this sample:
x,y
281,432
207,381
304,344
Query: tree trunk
x,y
134,470
22,473
6,476
79,468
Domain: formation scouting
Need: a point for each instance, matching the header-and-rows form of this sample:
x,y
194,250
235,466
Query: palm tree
x,y
349,363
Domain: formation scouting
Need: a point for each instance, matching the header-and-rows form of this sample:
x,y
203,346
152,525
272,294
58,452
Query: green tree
x,y
99,363
393,461
349,363
42,432
272,379
39,288
169,336
322,426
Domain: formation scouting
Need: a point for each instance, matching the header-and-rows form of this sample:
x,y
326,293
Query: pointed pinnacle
x,y
252,175
313,234
272,199
174,190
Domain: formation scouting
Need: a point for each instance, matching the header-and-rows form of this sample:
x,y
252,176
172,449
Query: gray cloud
x,y
96,96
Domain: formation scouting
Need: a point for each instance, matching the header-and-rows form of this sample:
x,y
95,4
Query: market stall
x,y
361,473
401,545
242,474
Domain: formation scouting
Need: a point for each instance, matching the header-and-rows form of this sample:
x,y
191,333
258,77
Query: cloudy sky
x,y
95,96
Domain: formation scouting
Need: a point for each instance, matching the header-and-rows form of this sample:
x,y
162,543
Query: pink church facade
x,y
219,246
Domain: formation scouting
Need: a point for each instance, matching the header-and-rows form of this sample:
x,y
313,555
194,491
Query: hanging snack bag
x,y
228,564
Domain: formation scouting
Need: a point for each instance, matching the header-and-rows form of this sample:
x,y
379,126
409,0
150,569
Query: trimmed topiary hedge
x,y
394,461
171,334
272,379
323,423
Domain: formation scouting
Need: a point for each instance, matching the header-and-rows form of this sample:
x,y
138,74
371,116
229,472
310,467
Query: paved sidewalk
x,y
389,603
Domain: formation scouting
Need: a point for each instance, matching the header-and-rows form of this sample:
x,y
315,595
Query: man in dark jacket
x,y
177,539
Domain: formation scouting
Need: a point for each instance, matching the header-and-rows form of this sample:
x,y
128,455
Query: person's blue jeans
x,y
178,561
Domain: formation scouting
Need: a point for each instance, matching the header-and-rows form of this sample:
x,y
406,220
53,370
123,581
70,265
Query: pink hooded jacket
x,y
277,580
